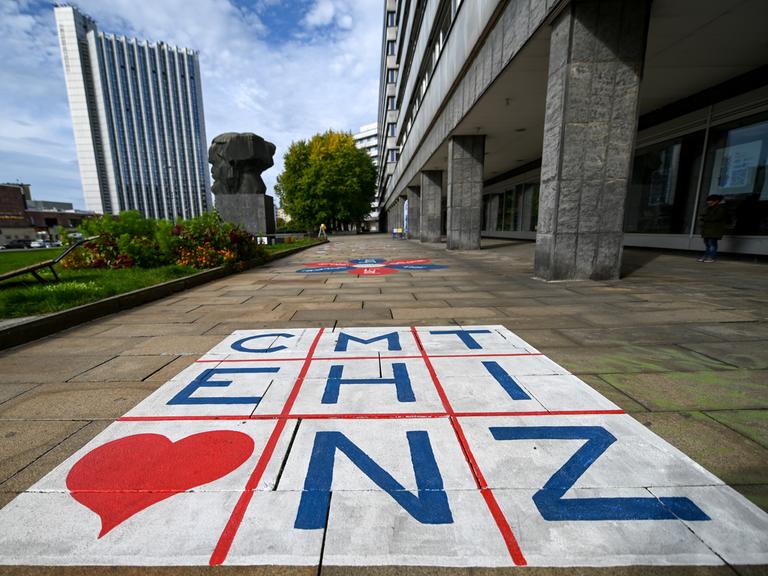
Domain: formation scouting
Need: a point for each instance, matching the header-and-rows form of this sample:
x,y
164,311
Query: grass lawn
x,y
25,296
275,248
13,260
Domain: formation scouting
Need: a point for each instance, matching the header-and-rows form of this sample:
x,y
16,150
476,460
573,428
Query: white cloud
x,y
321,73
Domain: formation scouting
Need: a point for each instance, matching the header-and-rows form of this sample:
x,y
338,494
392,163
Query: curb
x,y
57,321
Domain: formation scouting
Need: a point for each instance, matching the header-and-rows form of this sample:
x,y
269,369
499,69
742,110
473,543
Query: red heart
x,y
125,476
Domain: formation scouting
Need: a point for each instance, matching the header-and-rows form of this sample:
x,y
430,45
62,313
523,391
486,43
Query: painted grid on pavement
x,y
433,446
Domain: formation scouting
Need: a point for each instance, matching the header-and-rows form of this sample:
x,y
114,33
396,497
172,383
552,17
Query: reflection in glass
x,y
736,169
662,192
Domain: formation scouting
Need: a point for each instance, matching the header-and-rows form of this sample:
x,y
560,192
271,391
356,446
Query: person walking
x,y
714,223
321,233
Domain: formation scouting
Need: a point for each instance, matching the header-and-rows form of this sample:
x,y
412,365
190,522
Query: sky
x,y
284,69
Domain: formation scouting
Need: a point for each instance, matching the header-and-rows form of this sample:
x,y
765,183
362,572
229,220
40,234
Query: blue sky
x,y
284,69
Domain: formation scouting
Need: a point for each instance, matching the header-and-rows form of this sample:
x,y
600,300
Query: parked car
x,y
37,244
17,243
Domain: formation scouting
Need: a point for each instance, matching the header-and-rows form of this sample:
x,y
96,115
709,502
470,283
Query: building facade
x,y
24,219
137,114
586,125
368,139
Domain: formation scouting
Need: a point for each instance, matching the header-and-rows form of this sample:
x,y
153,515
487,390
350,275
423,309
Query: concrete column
x,y
414,208
430,214
595,63
465,191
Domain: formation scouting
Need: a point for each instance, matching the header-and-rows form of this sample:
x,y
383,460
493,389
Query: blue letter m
x,y
393,341
429,507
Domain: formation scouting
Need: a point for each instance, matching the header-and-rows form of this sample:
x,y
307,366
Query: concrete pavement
x,y
678,344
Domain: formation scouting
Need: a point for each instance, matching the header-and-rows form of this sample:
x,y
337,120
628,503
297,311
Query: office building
x,y
137,114
368,139
587,125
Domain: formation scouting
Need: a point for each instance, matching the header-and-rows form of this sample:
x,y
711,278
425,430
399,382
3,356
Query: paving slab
x,y
751,355
23,442
628,359
695,390
731,456
751,423
71,401
124,369
20,368
633,342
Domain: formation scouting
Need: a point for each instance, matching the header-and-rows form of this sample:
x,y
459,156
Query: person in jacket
x,y
714,223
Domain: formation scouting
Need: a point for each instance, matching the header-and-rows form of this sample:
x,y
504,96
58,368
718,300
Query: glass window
x,y
391,75
391,129
736,170
662,190
390,18
390,47
390,102
392,155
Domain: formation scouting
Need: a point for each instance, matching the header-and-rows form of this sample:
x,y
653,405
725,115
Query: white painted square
x,y
599,543
490,339
51,528
386,442
638,458
370,529
46,525
267,536
470,370
271,343
258,430
476,390
247,380
368,398
738,531
564,392
326,346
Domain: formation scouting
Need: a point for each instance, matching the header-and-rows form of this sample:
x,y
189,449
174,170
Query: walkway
x,y
677,344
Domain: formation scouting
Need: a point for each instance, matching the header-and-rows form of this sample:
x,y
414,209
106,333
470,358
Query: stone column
x,y
430,214
414,207
465,191
595,63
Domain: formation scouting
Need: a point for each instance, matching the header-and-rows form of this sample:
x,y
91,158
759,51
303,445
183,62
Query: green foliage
x,y
326,180
131,240
19,259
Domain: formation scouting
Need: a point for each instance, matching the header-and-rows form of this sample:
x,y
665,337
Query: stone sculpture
x,y
237,160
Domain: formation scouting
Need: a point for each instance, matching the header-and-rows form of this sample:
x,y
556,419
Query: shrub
x,y
131,240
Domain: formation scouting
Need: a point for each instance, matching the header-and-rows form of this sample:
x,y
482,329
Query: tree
x,y
327,179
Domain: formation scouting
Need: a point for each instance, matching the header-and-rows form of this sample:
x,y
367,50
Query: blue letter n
x,y
429,507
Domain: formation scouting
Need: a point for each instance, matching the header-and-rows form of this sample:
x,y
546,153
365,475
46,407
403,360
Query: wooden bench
x,y
34,268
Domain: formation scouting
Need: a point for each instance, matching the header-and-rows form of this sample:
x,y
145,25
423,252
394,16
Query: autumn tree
x,y
326,180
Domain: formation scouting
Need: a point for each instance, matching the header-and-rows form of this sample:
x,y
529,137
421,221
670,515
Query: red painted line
x,y
236,518
364,416
489,354
174,418
490,499
400,357
539,413
378,416
276,360
255,360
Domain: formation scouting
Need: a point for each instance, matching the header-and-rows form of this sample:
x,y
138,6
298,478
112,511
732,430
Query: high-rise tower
x,y
137,114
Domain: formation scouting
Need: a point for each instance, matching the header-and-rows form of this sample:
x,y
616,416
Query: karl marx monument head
x,y
238,160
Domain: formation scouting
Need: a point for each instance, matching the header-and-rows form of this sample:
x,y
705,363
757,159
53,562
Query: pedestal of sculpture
x,y
238,159
252,212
